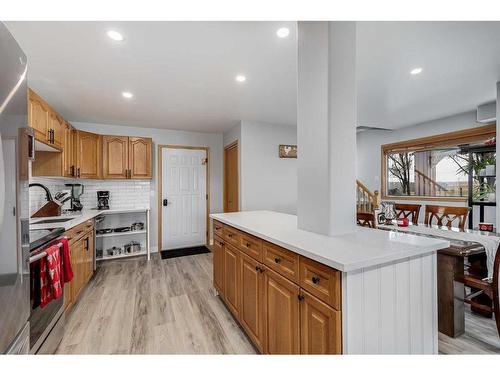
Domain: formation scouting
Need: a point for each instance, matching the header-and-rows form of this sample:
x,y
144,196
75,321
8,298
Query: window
x,y
435,167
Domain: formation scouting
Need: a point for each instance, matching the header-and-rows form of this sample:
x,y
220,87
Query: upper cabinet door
x,y
115,156
88,151
68,151
140,158
57,127
38,117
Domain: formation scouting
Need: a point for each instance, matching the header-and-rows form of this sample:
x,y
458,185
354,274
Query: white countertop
x,y
78,218
364,248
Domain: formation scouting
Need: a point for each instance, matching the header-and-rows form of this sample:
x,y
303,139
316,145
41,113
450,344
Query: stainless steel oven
x,y
47,323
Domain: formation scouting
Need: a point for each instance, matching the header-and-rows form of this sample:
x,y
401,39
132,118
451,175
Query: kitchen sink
x,y
49,221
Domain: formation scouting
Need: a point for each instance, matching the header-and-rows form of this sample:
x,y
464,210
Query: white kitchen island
x,y
388,284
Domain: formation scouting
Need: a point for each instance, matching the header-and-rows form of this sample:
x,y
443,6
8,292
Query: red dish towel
x,y
66,261
50,276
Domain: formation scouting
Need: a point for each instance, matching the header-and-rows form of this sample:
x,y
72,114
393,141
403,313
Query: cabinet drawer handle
x,y
315,279
300,297
248,244
217,228
230,235
277,260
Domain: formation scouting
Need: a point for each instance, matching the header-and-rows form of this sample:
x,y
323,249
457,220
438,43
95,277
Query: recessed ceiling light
x,y
127,94
416,71
115,35
283,32
240,78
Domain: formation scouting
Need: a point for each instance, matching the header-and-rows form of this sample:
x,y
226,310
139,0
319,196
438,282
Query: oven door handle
x,y
36,257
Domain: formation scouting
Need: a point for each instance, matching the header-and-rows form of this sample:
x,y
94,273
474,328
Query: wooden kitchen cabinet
x,y
127,157
88,155
115,152
56,124
68,153
252,300
218,271
46,123
81,246
231,278
282,314
286,303
140,158
320,327
38,116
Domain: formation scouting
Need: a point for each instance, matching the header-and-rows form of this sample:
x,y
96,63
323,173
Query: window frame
x,y
460,137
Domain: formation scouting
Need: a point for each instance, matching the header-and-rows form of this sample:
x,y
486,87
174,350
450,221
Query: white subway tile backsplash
x,y
123,193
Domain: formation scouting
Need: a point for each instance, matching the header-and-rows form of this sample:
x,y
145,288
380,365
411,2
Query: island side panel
x,y
391,308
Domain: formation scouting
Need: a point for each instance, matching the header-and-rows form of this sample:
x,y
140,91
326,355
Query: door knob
x,y
165,202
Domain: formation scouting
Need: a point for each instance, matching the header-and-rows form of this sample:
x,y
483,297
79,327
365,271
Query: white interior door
x,y
183,198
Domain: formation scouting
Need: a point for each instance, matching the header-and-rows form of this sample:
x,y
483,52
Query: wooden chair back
x,y
411,211
446,215
366,219
496,289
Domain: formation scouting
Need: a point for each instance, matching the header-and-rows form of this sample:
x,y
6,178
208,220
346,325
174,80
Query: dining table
x,y
462,256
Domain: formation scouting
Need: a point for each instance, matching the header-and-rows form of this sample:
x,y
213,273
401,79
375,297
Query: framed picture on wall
x,y
288,151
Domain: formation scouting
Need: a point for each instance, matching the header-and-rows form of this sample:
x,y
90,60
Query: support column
x,y
326,127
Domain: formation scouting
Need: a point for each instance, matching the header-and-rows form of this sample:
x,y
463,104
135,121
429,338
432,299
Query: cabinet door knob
x,y
300,297
257,268
277,260
315,280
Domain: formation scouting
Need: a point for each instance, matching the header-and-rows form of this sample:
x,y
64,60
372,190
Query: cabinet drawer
x,y
281,260
232,236
76,233
250,245
218,229
321,281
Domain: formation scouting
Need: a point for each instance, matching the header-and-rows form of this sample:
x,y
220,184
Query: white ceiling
x,y
460,61
182,73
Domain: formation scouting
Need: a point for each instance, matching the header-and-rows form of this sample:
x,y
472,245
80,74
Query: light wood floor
x,y
169,307
162,306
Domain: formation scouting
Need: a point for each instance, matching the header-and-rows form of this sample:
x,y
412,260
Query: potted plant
x,y
490,165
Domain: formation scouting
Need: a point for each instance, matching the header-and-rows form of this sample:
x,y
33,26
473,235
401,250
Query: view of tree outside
x,y
439,173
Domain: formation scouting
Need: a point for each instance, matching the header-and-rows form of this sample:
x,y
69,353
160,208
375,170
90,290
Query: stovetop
x,y
40,237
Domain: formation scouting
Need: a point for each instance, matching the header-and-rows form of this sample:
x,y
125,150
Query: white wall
x,y
369,155
266,181
171,137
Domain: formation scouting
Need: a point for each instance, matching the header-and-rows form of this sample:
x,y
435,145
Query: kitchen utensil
x,y
132,247
122,229
137,226
104,231
114,251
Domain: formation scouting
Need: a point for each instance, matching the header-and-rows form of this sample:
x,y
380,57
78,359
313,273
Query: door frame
x,y
160,187
231,145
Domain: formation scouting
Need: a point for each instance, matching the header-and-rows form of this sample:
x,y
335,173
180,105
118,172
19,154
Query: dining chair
x,y
411,211
446,215
490,288
366,219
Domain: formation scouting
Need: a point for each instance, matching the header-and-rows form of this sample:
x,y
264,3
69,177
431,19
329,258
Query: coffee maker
x,y
76,192
103,200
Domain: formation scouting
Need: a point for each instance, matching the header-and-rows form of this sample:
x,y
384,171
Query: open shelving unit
x,y
125,218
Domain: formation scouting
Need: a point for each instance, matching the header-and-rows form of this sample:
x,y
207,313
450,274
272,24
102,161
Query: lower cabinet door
x,y
282,314
231,278
252,300
217,252
320,327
